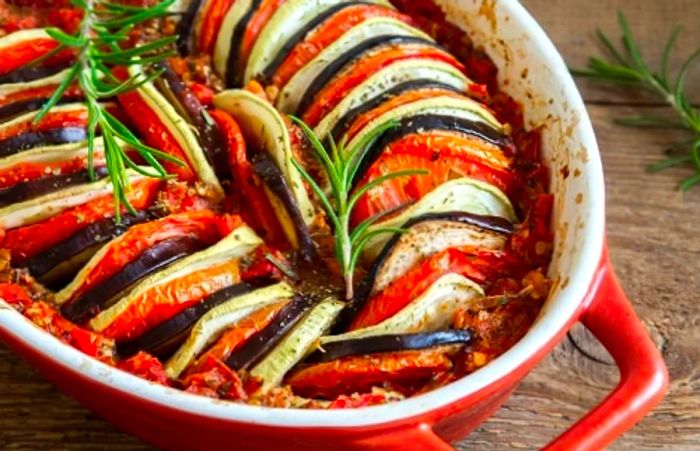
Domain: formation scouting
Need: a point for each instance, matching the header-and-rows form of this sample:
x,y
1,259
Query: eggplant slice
x,y
185,27
260,344
425,123
43,265
30,72
286,209
150,261
390,343
30,139
164,339
189,107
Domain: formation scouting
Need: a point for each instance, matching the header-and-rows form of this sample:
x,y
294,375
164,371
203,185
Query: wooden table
x,y
654,242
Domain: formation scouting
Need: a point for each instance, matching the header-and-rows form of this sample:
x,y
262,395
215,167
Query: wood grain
x,y
654,245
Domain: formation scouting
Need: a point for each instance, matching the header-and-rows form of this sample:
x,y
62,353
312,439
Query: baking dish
x,y
531,70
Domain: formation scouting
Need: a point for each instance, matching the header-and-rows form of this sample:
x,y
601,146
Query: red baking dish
x,y
585,290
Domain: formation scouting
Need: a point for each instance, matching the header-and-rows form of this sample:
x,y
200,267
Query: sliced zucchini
x,y
292,16
12,109
181,131
239,243
387,78
7,89
298,343
228,40
265,129
431,311
210,326
43,207
460,195
359,39
53,154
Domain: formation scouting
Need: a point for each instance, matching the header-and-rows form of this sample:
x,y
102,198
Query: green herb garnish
x,y
99,44
627,68
341,166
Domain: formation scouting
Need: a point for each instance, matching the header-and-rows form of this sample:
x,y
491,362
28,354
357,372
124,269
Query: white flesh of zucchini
x,y
52,154
11,88
222,47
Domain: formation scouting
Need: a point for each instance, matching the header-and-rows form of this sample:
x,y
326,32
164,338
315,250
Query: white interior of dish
x,y
534,73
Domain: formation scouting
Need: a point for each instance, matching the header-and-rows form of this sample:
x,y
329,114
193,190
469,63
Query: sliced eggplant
x,y
336,66
228,41
189,107
54,265
214,322
164,339
49,184
465,195
239,243
181,131
424,123
375,31
289,18
151,260
42,207
264,129
300,35
390,343
387,78
296,345
263,342
431,311
284,204
185,26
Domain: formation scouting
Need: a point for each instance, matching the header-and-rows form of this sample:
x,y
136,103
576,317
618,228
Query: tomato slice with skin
x,y
28,241
203,224
53,120
212,18
256,24
338,88
445,155
164,301
362,372
22,53
38,93
327,33
24,172
481,266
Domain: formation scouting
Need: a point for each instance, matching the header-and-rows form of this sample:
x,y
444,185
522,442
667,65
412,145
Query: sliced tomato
x,y
154,133
162,302
444,155
235,337
218,381
43,92
360,70
402,99
202,225
212,18
256,24
24,172
326,33
15,56
481,266
28,241
256,210
53,120
360,373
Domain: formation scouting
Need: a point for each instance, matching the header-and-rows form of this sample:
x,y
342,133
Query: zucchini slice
x,y
239,243
459,195
298,343
359,39
265,129
10,109
291,17
431,311
388,78
182,132
228,40
213,323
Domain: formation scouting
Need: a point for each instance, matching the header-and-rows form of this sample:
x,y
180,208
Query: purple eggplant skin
x,y
208,133
97,233
165,338
423,124
33,72
270,174
28,140
234,70
353,54
35,188
263,342
14,109
150,261
493,224
184,28
390,343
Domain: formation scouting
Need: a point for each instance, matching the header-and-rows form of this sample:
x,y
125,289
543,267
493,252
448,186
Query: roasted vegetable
x,y
20,50
20,98
228,42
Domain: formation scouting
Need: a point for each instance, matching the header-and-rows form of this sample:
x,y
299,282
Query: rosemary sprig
x,y
626,67
99,44
341,166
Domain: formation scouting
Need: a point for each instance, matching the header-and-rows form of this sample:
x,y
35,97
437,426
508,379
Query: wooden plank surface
x,y
654,245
